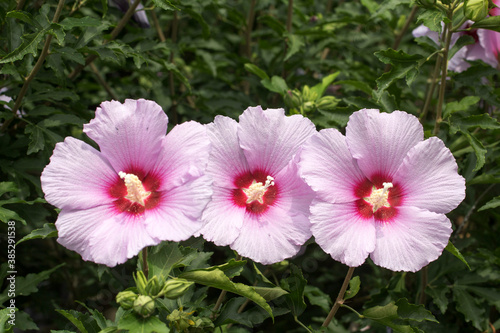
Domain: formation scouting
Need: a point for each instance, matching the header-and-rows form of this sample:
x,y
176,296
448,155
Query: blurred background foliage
x,y
202,58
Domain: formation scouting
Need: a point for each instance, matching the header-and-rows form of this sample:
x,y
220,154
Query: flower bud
x,y
327,103
180,319
476,10
175,288
153,286
426,3
126,299
144,306
141,282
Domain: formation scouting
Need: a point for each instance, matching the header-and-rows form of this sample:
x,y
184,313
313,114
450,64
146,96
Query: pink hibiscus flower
x,y
260,206
485,48
382,190
142,187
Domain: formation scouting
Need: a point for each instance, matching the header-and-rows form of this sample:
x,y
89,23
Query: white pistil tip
x,y
256,190
135,189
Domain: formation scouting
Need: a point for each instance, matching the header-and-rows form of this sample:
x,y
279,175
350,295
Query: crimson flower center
x,y
256,191
135,189
379,197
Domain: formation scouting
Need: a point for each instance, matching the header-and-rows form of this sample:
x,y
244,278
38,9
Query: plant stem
x,y
119,27
425,274
340,298
39,62
103,82
444,74
400,35
300,323
145,267
428,98
156,23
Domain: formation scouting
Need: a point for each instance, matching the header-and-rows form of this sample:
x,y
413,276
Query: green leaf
x,y
317,297
29,45
493,203
232,268
7,215
439,297
162,260
73,319
413,312
21,15
484,121
432,19
24,322
217,279
26,285
467,305
273,23
205,28
393,57
71,22
8,187
165,4
387,315
295,44
453,250
277,84
463,105
49,230
354,286
295,285
270,293
209,61
320,88
358,85
490,23
37,141
256,70
58,120
478,148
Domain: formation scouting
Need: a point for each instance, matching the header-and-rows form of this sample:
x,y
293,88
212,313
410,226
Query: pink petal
x,y
412,240
380,141
271,237
129,134
270,139
227,160
429,177
178,215
222,217
341,232
327,166
100,235
77,177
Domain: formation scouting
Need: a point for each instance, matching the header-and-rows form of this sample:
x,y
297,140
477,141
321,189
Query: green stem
x,y
103,82
444,75
424,277
340,298
145,267
434,79
300,323
356,312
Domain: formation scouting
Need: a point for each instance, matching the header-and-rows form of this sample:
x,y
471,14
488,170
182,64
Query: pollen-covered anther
x,y
379,197
257,190
135,189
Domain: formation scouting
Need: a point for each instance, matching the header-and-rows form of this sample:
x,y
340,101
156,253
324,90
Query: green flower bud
x,y
476,10
180,319
153,287
426,3
175,288
141,282
144,306
126,299
327,103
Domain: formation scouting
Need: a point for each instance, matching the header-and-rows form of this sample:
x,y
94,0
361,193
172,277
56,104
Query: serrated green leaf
x,y
73,319
490,23
270,293
205,28
7,215
387,6
453,250
466,304
37,141
493,203
209,61
354,286
359,85
478,148
387,315
277,84
413,312
29,45
47,231
24,322
295,44
26,285
256,70
273,23
60,120
317,297
295,285
21,15
82,22
432,19
439,297
393,57
217,279
463,105
320,88
484,121
232,268
8,187
397,72
161,262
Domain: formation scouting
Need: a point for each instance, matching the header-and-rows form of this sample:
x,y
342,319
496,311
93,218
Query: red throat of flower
x,y
255,191
378,198
134,193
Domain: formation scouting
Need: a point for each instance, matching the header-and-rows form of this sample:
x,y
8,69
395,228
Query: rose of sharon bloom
x,y
260,205
142,187
382,190
485,48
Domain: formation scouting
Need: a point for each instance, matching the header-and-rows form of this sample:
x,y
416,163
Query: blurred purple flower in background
x,y
139,16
